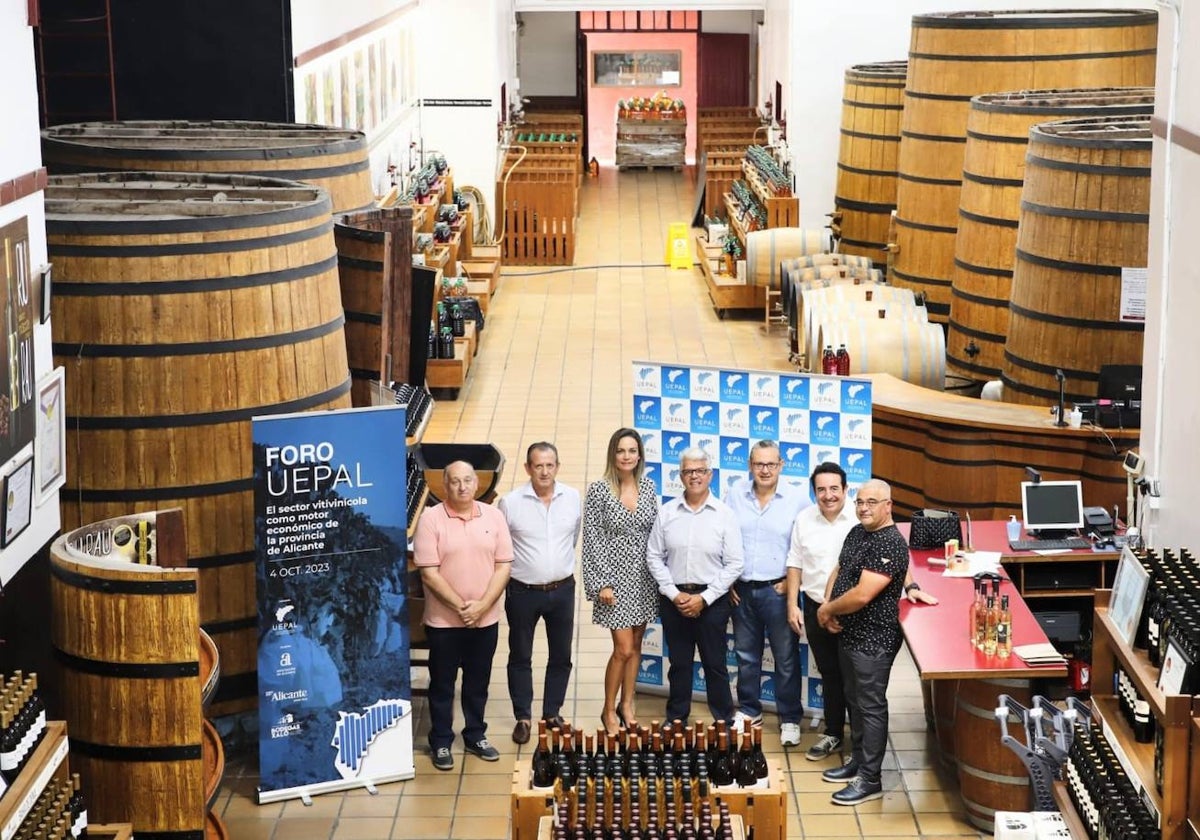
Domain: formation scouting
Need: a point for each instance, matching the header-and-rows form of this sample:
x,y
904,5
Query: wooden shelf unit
x,y
782,211
724,291
49,761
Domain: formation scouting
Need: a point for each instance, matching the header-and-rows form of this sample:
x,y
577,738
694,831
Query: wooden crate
x,y
478,289
651,142
546,828
487,271
539,219
450,373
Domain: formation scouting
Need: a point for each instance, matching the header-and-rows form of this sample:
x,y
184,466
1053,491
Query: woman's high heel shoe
x,y
604,722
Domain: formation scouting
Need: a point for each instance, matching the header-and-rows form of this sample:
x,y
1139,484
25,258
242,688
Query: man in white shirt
x,y
544,517
695,555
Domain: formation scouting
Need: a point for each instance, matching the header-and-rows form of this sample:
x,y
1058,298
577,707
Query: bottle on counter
x,y
843,361
1013,527
991,622
1004,629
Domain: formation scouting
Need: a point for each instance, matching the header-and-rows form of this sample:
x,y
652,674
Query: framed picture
x,y
45,291
50,446
1128,595
655,68
18,499
1175,676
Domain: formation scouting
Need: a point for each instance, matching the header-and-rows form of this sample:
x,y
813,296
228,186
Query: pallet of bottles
x,y
548,831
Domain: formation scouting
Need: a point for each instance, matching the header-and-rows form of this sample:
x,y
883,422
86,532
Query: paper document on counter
x,y
977,561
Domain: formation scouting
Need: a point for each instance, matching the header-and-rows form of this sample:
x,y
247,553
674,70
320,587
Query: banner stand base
x,y
306,792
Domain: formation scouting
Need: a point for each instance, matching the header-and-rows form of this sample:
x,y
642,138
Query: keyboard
x,y
1073,543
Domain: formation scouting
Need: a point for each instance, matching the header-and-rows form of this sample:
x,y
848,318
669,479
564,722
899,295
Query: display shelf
x,y
1194,779
23,793
736,824
450,373
1067,808
724,291
1107,710
782,211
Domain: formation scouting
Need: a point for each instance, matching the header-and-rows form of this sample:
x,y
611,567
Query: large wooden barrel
x,y
909,350
990,208
957,55
126,637
1084,218
868,154
375,253
767,249
897,309
840,290
334,159
183,306
991,777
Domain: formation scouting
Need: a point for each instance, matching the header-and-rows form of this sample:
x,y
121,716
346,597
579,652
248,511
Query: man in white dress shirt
x,y
695,555
544,517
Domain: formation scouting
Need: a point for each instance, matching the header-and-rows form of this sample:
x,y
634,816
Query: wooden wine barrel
x,y
909,350
335,159
824,259
991,777
126,638
957,55
183,306
1084,217
488,461
868,156
373,247
841,290
990,207
210,668
766,249
899,309
796,281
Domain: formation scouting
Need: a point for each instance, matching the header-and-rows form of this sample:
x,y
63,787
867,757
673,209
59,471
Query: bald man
x,y
464,551
862,608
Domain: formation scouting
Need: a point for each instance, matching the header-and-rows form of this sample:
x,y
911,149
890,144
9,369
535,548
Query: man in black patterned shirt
x,y
862,607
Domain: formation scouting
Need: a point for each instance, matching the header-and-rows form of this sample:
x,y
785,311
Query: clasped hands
x,y
470,612
689,605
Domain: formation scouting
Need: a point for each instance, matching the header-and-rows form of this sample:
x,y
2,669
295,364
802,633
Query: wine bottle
x,y
434,346
1004,629
973,614
746,776
761,770
722,769
544,768
989,638
842,360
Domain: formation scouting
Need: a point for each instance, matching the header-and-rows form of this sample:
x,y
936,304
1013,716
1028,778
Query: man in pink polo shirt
x,y
464,551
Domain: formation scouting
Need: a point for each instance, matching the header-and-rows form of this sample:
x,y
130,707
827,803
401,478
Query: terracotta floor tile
x,y
422,828
362,828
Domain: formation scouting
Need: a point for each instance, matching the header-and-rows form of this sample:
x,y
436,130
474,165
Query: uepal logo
x,y
652,641
793,391
826,395
764,388
650,670
730,652
857,464
764,422
646,380
856,430
795,459
734,453
706,418
816,694
676,382
698,683
856,397
730,479
647,412
823,428
654,473
672,483
708,445
735,420
821,454
767,689
674,443
793,423
705,384
735,387
675,415
652,444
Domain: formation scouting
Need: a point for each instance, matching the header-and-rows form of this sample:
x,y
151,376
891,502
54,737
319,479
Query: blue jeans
x,y
763,611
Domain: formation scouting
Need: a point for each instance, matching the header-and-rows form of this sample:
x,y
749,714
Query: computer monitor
x,y
1052,505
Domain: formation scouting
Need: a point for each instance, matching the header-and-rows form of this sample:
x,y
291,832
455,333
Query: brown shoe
x,y
521,732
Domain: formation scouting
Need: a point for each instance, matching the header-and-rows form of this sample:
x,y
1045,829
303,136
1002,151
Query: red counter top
x,y
938,637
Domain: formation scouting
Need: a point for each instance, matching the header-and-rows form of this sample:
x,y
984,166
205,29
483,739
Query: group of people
x,y
764,556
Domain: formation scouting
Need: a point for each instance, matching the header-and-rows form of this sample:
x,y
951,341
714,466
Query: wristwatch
x,y
910,587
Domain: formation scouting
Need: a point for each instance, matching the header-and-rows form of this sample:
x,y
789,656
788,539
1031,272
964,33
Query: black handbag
x,y
934,528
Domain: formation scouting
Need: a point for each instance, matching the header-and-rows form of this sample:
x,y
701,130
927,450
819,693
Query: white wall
x,y
1171,400
546,54
20,153
316,22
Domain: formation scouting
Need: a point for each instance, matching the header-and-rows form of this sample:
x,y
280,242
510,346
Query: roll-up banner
x,y
334,700
724,412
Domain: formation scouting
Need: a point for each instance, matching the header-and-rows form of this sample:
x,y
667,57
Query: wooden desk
x,y
943,450
1083,571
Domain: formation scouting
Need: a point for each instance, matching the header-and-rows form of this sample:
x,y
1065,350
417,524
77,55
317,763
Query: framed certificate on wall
x,y
18,499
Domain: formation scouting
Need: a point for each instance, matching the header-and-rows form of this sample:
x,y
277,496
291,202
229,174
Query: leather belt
x,y
691,588
543,587
759,584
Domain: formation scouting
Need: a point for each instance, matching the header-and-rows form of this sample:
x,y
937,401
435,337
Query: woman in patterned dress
x,y
618,513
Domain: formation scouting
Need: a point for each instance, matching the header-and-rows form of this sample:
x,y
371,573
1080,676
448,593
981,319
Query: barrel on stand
x,y
868,152
767,249
909,350
899,309
1084,222
957,55
990,208
991,776
183,306
818,294
335,159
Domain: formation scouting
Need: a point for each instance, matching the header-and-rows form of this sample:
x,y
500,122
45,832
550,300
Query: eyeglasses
x,y
869,503
694,472
765,465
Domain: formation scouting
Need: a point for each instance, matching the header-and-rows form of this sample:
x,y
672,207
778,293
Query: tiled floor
x,y
554,363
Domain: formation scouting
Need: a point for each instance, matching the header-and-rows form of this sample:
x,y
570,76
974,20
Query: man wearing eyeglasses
x,y
765,511
695,555
862,608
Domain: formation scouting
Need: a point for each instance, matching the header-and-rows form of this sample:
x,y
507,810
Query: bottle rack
x,y
1173,714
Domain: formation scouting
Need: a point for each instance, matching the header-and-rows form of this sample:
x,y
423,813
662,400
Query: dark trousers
x,y
683,636
452,649
524,607
866,676
824,647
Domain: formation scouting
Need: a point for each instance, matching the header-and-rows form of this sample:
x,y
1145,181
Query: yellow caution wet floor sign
x,y
679,254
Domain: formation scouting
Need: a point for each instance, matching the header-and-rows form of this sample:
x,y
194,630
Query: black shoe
x,y
483,749
552,722
857,792
845,773
442,758
521,732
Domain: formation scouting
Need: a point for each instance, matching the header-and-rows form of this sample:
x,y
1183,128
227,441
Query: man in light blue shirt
x,y
766,511
695,555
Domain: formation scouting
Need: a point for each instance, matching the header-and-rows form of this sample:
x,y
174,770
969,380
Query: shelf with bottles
x,y
726,291
771,187
46,762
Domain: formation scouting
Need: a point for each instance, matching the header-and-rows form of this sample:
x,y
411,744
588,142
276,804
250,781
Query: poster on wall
x,y
335,706
17,417
724,412
51,449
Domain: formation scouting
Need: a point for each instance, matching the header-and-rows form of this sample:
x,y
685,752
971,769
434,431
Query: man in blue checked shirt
x,y
766,511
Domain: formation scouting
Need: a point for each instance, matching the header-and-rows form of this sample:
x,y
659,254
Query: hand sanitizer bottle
x,y
1014,529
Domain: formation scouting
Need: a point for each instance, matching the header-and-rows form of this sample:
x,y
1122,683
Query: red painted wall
x,y
602,101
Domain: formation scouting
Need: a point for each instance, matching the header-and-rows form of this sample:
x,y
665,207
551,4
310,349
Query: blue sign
x,y
735,387
856,397
676,382
823,428
647,412
857,464
795,460
673,445
793,392
706,418
764,422
735,453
